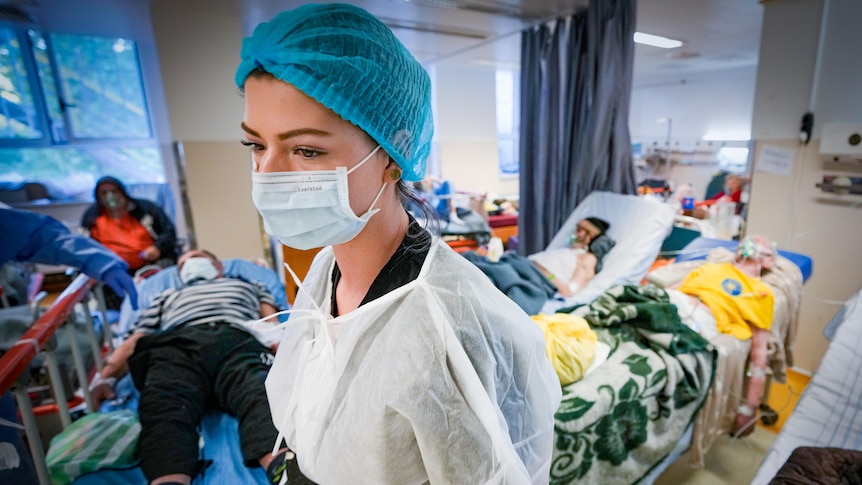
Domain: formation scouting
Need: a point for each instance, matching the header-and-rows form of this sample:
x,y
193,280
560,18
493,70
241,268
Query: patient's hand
x,y
700,213
744,425
101,392
151,254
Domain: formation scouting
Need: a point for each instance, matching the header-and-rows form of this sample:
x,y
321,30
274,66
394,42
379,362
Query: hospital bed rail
x,y
38,339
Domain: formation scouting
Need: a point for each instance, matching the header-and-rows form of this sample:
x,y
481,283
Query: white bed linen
x,y
639,225
829,413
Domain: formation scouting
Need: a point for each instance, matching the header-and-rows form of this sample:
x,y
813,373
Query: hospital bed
x,y
827,420
219,432
717,414
656,443
624,417
637,362
640,226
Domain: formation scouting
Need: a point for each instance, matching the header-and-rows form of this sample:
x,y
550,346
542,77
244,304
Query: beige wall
x,y
224,218
198,60
800,217
791,209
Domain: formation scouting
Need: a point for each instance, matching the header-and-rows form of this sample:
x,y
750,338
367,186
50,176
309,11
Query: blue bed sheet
x,y
699,248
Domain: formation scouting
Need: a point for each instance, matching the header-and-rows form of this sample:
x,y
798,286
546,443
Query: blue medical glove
x,y
122,284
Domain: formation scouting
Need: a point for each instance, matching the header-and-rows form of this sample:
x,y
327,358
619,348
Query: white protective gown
x,y
444,380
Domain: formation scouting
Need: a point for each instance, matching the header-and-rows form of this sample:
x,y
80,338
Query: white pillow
x,y
639,225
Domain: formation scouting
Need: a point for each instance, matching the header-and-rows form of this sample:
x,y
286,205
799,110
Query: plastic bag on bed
x,y
94,442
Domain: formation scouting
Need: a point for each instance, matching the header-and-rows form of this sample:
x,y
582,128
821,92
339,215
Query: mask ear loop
x,y
371,210
368,157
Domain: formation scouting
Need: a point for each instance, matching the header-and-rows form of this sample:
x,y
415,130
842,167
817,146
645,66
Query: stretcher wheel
x,y
768,415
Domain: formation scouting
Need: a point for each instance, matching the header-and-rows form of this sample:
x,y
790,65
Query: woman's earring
x,y
395,174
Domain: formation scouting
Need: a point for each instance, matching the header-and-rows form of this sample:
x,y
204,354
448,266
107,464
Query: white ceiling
x,y
717,34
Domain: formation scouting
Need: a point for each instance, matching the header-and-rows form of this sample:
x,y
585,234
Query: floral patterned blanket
x,y
621,420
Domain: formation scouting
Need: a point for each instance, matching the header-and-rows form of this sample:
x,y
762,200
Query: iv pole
x,y
669,122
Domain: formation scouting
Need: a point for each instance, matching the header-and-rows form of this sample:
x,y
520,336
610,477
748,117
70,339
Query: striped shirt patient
x,y
189,353
205,299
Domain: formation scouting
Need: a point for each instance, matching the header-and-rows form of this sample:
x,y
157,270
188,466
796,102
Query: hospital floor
x,y
735,461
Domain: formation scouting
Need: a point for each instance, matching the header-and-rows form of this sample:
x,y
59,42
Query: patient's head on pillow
x,y
587,230
757,250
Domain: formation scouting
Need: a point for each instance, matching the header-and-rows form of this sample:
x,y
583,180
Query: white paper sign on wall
x,y
776,160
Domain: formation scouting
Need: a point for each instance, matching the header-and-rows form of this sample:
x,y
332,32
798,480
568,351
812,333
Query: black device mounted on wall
x,y
806,128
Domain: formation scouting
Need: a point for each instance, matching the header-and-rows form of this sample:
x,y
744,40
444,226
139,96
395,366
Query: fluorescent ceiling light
x,y
656,41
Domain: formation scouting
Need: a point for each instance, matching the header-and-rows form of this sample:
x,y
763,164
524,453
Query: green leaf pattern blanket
x,y
618,422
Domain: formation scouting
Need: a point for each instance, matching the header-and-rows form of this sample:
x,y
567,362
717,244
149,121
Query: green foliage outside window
x,y
72,109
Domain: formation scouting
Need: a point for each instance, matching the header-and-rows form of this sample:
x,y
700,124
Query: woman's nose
x,y
265,162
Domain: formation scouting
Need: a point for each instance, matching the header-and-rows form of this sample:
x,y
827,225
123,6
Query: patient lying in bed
x,y
570,269
531,281
730,298
188,353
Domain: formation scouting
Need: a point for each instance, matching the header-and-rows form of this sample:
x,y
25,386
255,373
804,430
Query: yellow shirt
x,y
736,299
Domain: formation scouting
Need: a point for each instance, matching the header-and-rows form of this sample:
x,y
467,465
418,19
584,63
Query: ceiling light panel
x,y
656,40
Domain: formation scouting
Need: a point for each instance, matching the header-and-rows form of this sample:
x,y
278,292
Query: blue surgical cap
x,y
350,62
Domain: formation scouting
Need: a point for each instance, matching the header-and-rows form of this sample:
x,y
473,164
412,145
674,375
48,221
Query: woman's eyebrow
x,y
288,134
303,131
248,130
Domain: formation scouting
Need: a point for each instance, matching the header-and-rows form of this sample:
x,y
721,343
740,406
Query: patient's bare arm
x,y
102,387
585,269
117,363
756,383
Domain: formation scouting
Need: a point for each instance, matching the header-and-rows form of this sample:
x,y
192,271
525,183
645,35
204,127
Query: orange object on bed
x,y
461,245
504,226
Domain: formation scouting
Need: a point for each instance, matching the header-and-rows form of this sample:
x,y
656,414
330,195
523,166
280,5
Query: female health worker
x,y
401,363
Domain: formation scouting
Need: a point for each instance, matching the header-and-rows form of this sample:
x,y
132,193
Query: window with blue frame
x,y
72,109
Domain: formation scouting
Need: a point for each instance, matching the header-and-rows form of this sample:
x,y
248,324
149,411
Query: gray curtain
x,y
576,76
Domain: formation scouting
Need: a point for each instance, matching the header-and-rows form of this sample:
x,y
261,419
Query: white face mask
x,y
311,209
198,268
